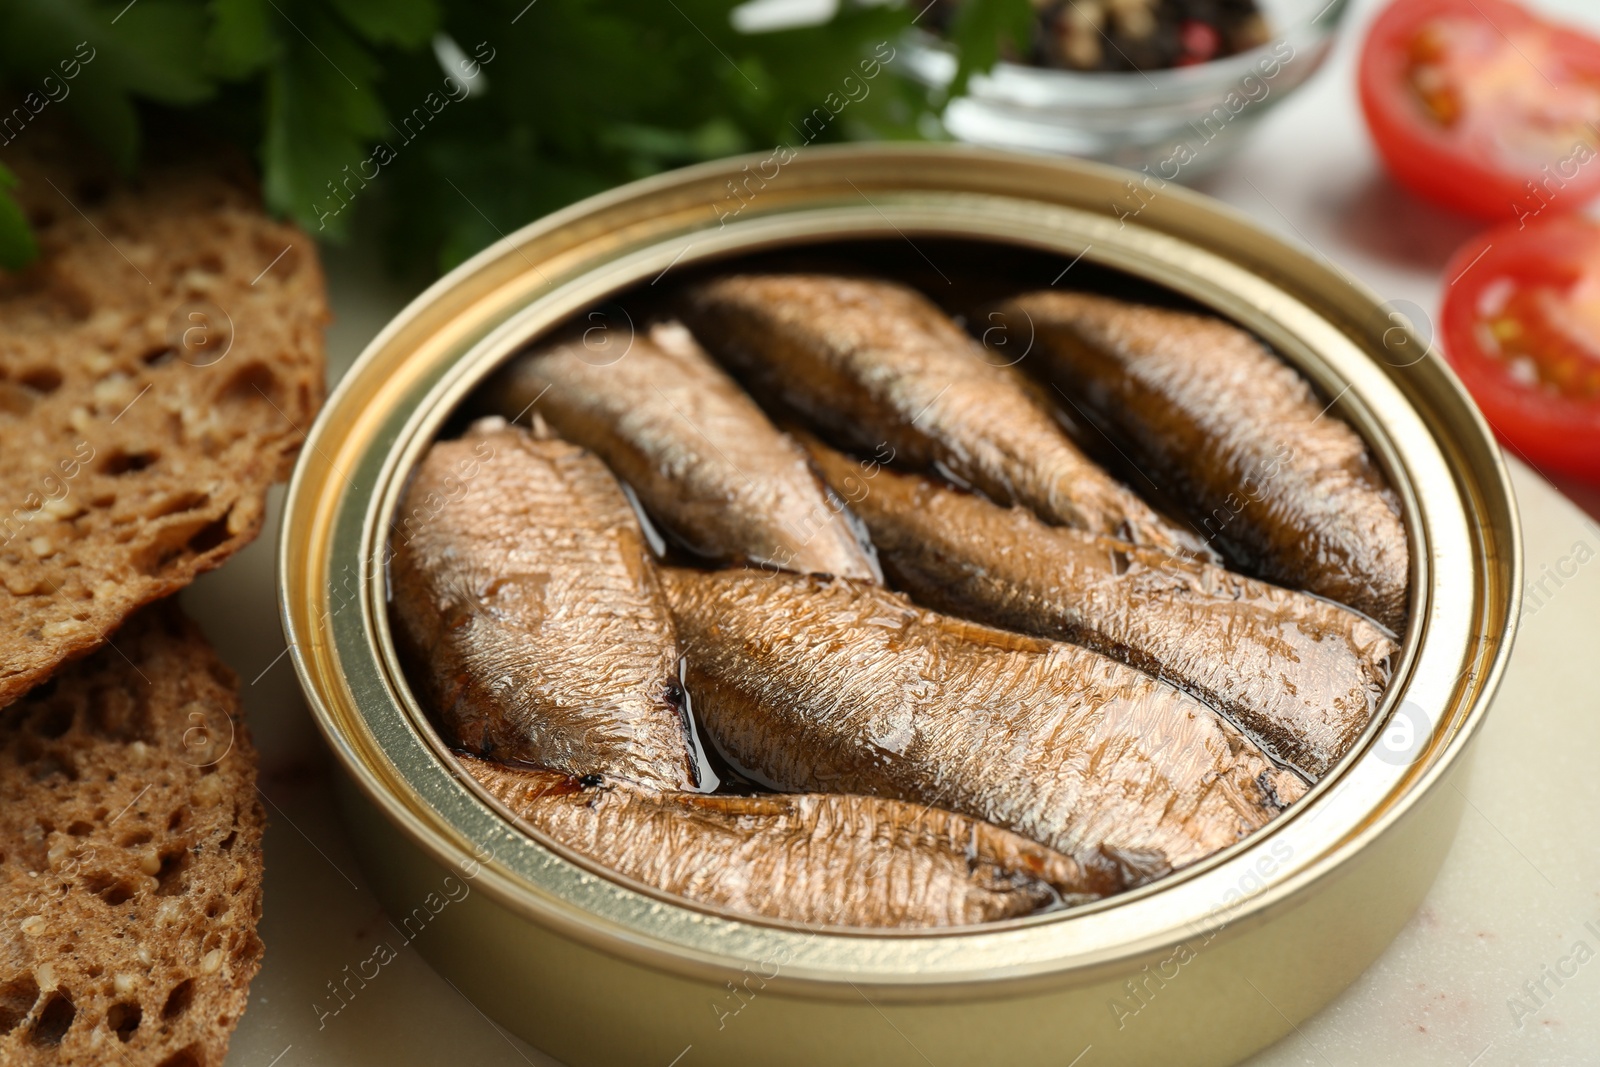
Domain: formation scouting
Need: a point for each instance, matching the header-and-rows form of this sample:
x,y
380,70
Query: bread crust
x,y
159,366
131,830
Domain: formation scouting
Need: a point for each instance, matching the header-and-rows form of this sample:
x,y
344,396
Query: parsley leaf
x,y
16,243
145,51
353,114
242,39
407,23
322,111
980,29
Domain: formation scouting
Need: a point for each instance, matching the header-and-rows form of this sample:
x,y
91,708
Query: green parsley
x,y
454,124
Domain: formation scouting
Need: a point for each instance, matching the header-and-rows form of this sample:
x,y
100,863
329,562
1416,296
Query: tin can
x,y
1202,967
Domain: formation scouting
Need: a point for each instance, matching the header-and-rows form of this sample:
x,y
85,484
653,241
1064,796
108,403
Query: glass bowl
x,y
1177,122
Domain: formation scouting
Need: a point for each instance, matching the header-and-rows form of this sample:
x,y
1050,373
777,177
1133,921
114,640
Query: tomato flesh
x,y
1544,336
1474,80
1521,326
1482,107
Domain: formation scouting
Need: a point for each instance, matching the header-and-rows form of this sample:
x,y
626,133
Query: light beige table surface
x,y
1498,966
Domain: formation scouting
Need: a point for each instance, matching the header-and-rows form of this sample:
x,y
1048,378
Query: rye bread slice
x,y
131,831
159,365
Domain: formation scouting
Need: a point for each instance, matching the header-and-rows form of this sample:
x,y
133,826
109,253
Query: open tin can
x,y
1202,967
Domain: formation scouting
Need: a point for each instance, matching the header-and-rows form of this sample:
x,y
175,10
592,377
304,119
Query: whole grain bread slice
x,y
131,832
159,365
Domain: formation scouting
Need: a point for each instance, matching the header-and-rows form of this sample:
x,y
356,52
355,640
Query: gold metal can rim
x,y
1432,442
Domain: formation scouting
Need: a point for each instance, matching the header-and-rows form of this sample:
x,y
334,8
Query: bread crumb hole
x,y
178,1000
54,1021
170,877
16,1001
167,545
227,842
44,380
135,838
124,1019
249,382
209,536
119,461
188,1056
176,819
155,357
79,828
111,888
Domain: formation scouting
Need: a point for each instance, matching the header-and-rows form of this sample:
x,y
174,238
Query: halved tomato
x,y
1521,326
1483,107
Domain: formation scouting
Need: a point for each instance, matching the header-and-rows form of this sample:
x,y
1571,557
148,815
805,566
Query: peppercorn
x,y
1121,35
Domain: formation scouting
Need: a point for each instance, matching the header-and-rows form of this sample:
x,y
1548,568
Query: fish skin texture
x,y
810,858
700,454
1300,675
527,601
875,365
837,686
1288,489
